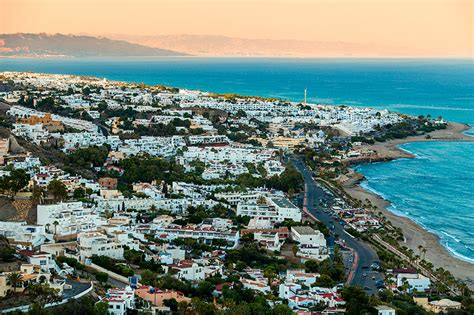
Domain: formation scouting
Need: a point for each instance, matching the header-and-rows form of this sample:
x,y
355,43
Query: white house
x,y
312,243
256,285
385,310
188,270
415,280
21,233
120,301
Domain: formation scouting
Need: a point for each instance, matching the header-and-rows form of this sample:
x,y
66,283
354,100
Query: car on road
x,y
375,265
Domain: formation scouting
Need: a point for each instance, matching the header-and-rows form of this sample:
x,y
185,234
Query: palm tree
x,y
55,223
14,279
405,285
424,253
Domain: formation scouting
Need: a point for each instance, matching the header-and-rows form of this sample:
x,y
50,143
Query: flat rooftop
x,y
304,230
282,202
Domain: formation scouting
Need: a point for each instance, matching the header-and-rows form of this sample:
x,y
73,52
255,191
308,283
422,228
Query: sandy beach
x,y
414,234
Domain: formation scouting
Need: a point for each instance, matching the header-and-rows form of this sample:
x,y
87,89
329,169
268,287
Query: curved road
x,y
364,253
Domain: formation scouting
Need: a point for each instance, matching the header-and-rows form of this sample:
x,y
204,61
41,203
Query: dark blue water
x,y
435,190
436,87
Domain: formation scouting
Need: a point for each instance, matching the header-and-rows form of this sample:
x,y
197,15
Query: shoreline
x,y
414,233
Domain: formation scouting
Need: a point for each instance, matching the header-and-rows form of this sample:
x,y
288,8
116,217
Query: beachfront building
x,y
411,277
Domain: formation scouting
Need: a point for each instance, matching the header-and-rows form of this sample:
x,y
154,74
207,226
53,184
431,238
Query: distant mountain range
x,y
38,45
209,45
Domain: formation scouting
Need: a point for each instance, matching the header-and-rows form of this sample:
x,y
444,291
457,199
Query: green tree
x,y
14,279
57,189
311,266
6,252
205,289
324,281
101,277
101,308
172,304
282,309
79,193
14,182
148,277
43,294
357,301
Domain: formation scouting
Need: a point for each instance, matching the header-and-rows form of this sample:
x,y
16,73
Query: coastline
x,y
414,233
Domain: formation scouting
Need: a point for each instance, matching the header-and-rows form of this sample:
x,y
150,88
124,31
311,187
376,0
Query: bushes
x,y
86,157
110,264
290,179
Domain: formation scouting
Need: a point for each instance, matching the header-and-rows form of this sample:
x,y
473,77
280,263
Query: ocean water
x,y
436,189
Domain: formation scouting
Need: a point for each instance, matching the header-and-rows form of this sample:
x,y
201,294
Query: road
x,y
315,198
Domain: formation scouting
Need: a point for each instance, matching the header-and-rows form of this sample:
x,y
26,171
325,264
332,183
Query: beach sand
x,y
414,234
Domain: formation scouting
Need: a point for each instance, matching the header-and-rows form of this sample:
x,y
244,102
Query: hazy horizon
x,y
416,28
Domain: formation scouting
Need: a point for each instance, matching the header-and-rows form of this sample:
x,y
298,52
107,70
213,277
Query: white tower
x,y
305,92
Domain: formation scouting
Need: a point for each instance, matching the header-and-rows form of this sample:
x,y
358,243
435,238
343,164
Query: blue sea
x,y
436,189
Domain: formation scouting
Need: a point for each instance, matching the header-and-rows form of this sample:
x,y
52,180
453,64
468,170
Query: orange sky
x,y
443,27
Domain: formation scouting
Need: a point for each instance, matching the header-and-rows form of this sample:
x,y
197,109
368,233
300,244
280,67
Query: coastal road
x,y
316,197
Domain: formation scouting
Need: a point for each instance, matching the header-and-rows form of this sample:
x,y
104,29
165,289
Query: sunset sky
x,y
437,26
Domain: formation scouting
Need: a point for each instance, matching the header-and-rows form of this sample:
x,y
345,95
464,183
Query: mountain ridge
x,y
42,44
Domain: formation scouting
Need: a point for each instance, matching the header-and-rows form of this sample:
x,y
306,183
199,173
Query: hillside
x,y
74,46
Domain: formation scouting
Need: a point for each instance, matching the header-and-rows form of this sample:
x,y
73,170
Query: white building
x,y
415,281
21,233
203,233
274,209
68,218
189,270
385,310
99,244
120,301
256,285
312,243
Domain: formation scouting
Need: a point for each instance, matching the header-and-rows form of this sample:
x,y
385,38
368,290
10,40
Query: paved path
x,y
364,255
